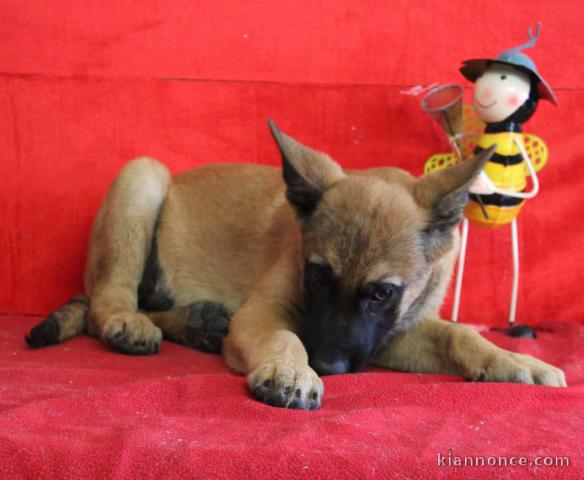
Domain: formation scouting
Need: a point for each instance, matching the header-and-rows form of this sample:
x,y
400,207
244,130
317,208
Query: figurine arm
x,y
483,184
532,174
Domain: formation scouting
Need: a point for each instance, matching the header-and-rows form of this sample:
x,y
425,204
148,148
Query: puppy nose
x,y
334,367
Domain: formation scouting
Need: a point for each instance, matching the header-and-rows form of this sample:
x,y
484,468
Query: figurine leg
x,y
460,270
514,330
515,250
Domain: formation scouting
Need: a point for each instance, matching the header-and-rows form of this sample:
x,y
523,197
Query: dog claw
x,y
133,334
297,404
293,387
521,368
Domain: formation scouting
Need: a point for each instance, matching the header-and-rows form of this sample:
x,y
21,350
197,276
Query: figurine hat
x,y
473,69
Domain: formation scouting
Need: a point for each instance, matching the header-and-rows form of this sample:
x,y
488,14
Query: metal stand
x,y
515,249
512,330
460,272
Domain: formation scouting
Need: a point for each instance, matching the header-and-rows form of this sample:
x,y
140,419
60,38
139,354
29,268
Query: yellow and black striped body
x,y
507,171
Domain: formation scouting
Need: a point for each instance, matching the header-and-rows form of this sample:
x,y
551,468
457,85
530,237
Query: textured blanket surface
x,y
79,410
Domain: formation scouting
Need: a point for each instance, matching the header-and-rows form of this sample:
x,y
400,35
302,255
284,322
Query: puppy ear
x,y
444,194
307,173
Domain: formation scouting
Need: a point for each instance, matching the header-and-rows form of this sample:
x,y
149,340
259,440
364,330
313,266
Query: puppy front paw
x,y
519,368
287,386
132,333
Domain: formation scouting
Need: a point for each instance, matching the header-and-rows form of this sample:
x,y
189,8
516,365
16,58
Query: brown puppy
x,y
322,273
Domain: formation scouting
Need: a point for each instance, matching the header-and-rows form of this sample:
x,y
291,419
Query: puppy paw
x,y
287,386
45,333
518,368
207,326
132,333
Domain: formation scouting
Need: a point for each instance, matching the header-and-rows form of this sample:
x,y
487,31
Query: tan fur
x,y
227,234
436,346
118,247
67,317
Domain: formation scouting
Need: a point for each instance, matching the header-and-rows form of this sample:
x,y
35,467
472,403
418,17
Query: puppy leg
x,y
437,346
202,325
262,344
61,324
119,245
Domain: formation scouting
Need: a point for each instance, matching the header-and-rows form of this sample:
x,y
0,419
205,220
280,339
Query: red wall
x,y
84,87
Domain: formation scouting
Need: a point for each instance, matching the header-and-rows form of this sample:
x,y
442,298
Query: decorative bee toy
x,y
506,94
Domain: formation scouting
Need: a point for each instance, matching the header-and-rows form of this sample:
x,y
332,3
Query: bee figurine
x,y
506,94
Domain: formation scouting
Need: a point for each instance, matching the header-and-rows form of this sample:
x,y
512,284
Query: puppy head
x,y
369,244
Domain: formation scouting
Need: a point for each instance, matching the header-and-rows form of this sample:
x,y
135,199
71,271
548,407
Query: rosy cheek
x,y
512,100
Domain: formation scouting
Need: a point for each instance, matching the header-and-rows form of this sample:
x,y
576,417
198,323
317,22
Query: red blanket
x,y
78,410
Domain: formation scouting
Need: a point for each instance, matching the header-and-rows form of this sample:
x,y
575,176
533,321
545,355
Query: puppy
x,y
322,273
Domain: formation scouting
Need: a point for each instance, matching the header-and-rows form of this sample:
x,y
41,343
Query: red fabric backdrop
x,y
85,86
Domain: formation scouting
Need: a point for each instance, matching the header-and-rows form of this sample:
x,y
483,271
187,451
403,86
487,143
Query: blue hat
x,y
473,69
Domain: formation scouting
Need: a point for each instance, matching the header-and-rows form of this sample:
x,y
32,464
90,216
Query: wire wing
x,y
440,161
536,149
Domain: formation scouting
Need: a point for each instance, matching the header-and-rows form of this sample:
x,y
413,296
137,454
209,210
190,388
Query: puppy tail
x,y
65,322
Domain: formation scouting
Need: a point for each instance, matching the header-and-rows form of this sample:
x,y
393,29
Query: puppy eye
x,y
383,293
503,77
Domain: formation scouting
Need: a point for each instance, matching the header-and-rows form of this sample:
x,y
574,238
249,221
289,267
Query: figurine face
x,y
499,92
